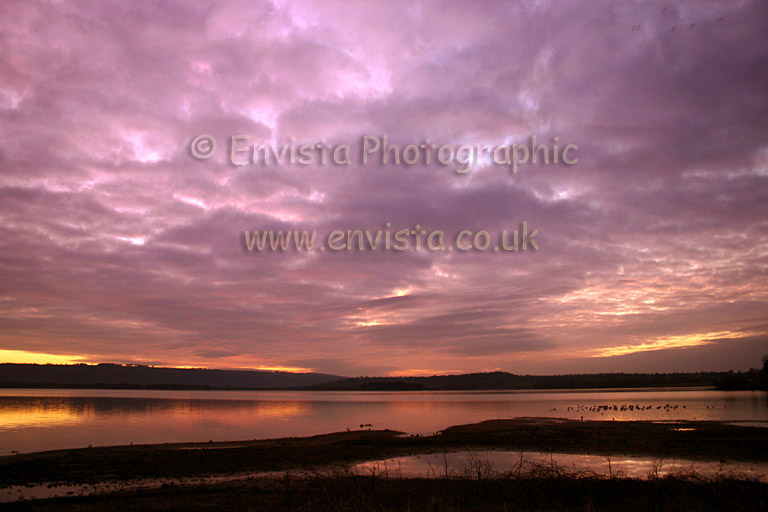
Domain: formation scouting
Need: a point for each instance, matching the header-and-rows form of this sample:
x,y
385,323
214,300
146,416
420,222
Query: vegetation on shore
x,y
752,379
119,376
509,381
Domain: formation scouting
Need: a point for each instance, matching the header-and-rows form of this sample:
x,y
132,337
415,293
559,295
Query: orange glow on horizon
x,y
417,372
292,369
667,342
25,357
275,368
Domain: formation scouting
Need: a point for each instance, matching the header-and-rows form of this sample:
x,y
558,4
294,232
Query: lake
x,y
46,419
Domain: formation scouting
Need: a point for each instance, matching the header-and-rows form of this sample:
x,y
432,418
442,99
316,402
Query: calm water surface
x,y
491,463
46,419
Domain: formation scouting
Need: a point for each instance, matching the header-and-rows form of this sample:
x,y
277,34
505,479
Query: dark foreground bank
x,y
371,493
327,485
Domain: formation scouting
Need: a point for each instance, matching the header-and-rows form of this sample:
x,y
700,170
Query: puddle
x,y
484,464
468,464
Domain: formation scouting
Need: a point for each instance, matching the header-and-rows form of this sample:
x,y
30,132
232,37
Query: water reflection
x,y
19,412
32,420
490,463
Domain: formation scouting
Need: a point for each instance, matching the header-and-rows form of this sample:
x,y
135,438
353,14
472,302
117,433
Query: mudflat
x,y
697,440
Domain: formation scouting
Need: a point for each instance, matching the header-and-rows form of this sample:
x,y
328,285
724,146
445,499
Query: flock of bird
x,y
623,408
602,409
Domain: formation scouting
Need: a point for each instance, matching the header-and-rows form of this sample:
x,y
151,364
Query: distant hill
x,y
503,380
115,376
150,377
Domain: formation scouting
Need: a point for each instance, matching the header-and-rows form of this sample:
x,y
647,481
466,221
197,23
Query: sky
x,y
118,245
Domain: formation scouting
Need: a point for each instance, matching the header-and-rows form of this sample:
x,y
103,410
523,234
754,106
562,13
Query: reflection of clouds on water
x,y
43,423
233,409
20,415
34,411
498,463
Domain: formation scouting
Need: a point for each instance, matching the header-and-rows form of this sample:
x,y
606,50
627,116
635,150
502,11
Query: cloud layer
x,y
117,245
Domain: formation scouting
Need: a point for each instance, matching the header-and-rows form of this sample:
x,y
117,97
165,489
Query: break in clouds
x,y
117,245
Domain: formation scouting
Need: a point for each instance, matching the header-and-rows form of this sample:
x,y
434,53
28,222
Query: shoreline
x,y
695,440
328,471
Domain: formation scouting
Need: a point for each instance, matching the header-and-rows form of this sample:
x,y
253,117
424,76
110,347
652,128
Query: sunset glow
x,y
24,357
122,243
